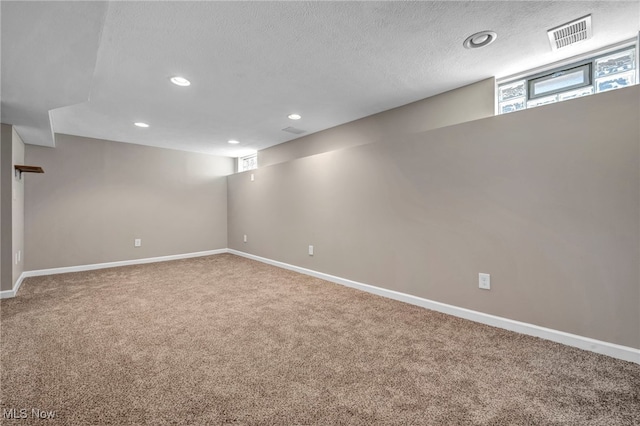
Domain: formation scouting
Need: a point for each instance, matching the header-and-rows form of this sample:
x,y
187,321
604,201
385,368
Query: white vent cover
x,y
570,33
294,130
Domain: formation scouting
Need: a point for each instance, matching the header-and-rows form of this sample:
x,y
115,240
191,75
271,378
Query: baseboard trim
x,y
63,270
8,294
605,348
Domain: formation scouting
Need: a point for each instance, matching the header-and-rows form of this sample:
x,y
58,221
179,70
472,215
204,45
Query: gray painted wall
x,y
6,179
460,105
11,208
17,206
97,196
545,200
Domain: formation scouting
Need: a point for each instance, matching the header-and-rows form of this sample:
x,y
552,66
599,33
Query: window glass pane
x,y
575,93
512,105
561,80
615,81
512,90
542,101
249,162
616,63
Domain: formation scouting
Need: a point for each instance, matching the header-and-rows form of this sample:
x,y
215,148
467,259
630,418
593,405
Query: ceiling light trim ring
x,y
485,37
180,81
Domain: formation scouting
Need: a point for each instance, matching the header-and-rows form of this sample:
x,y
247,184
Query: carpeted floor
x,y
223,339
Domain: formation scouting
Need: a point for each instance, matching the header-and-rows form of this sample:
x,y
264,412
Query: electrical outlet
x,y
310,250
484,281
137,242
16,258
252,177
245,238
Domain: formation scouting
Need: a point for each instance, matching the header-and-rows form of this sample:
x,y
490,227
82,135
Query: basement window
x,y
599,73
560,81
248,162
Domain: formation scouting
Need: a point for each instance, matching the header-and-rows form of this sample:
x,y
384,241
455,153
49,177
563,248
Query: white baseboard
x,y
7,294
605,348
53,271
611,349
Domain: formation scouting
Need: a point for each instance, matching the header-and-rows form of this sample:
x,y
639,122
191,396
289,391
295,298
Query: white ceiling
x,y
94,68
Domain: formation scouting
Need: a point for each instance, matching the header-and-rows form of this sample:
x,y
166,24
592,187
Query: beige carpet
x,y
226,340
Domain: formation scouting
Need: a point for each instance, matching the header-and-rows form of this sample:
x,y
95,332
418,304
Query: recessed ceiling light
x,y
481,39
180,81
234,141
294,116
141,124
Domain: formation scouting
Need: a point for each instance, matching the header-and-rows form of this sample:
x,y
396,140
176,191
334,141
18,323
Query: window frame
x,y
587,71
246,157
565,65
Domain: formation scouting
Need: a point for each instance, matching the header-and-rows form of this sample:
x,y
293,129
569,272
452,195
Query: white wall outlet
x,y
16,256
245,238
137,242
484,281
310,250
252,177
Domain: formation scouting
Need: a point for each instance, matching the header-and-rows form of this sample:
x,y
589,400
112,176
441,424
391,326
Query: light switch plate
x,y
484,281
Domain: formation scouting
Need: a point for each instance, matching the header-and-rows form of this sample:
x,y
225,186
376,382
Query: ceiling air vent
x,y
570,33
294,130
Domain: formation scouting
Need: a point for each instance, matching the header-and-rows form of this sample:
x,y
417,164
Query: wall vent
x,y
570,33
294,130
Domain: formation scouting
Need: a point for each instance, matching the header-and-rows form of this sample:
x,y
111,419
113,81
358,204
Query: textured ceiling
x,y
48,55
97,67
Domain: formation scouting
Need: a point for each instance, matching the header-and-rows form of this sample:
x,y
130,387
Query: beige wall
x,y
17,220
464,104
97,196
545,200
11,209
6,179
